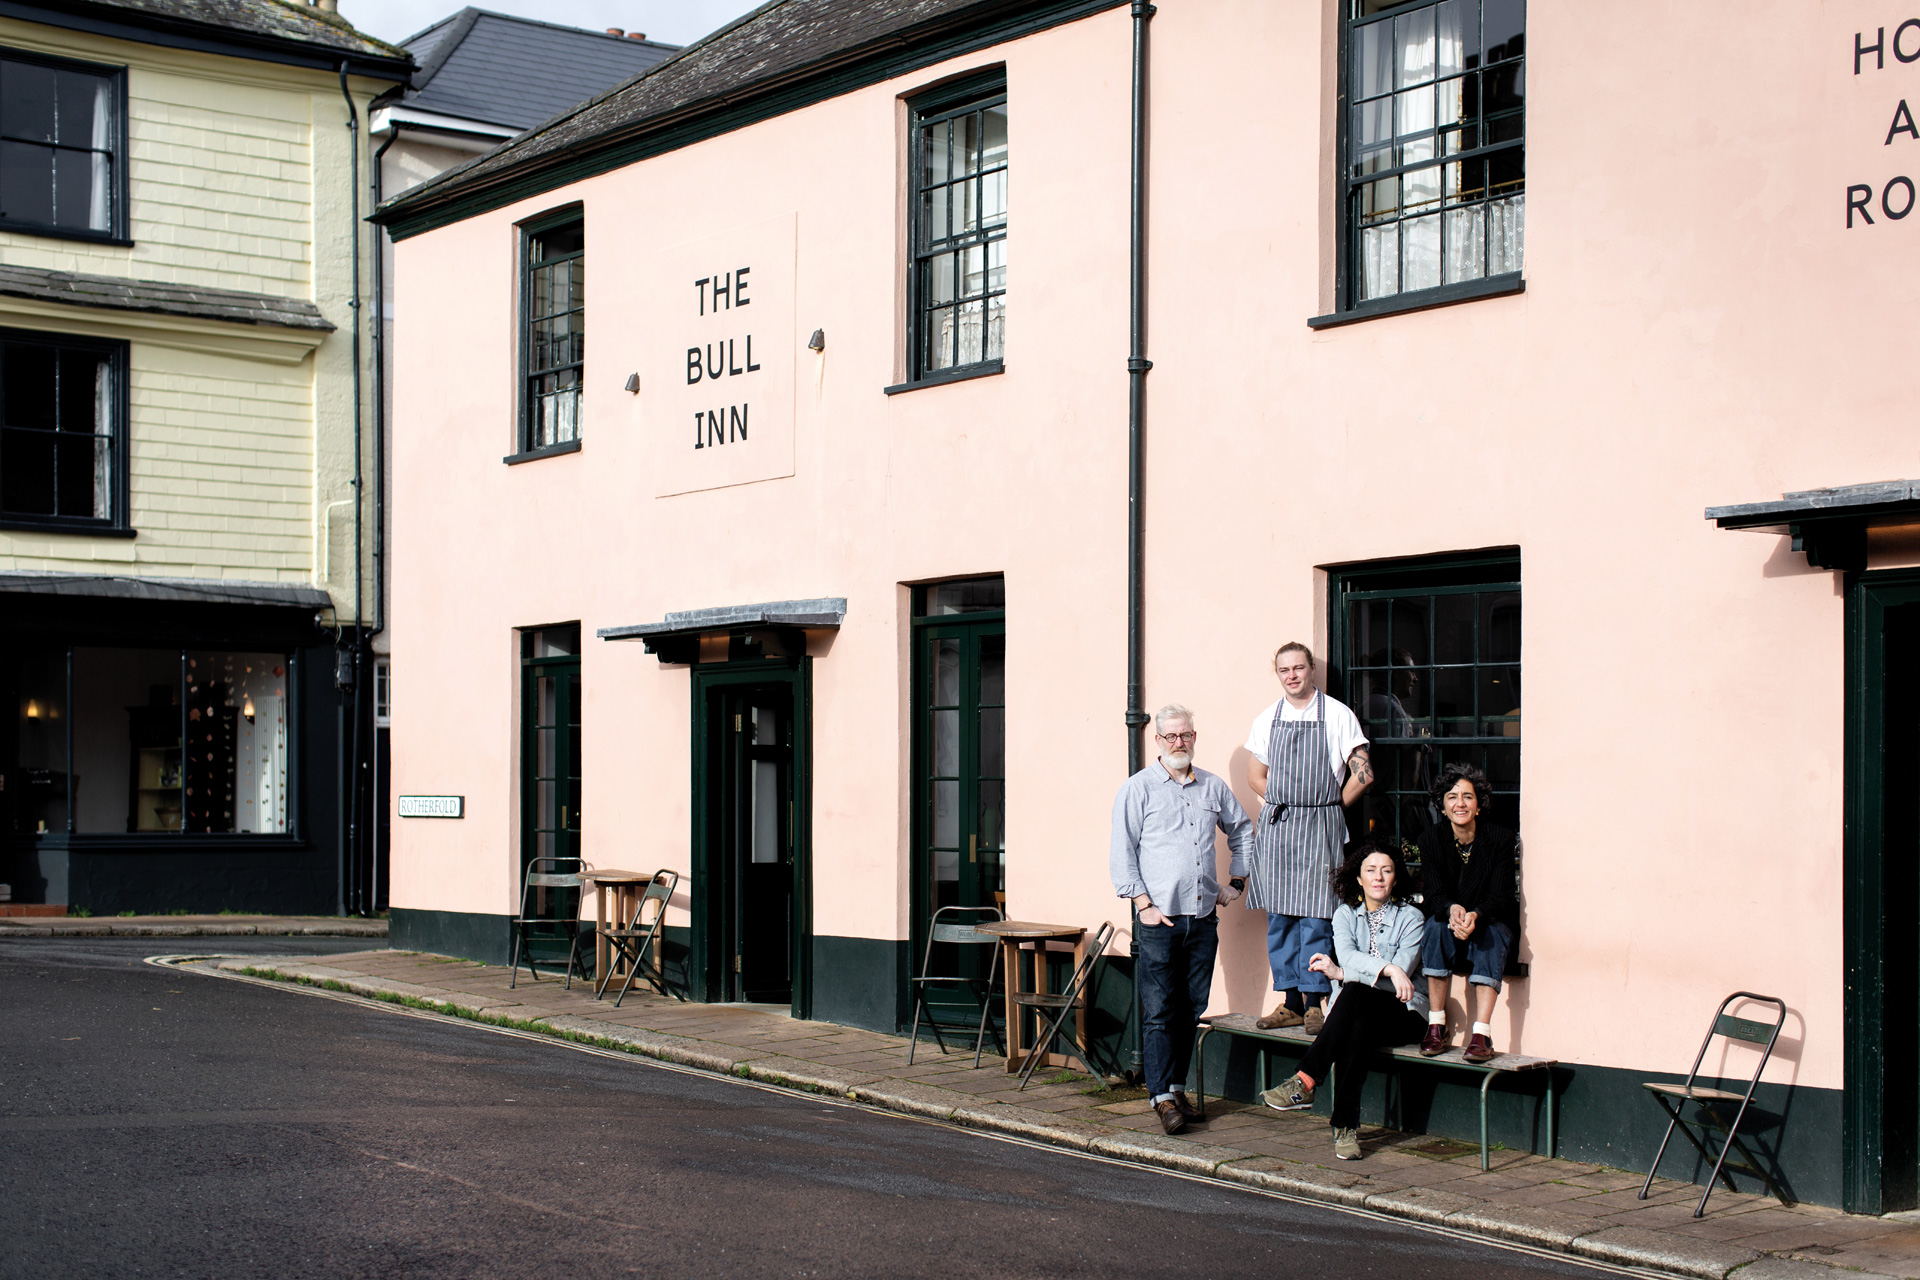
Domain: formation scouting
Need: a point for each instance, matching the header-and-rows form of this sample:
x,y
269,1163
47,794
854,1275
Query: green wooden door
x,y
959,780
550,747
755,828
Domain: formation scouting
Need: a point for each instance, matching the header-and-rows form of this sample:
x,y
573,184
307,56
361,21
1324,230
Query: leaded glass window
x,y
1436,144
960,234
555,300
1430,662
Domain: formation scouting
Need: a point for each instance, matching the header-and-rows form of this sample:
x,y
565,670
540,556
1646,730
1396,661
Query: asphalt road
x,y
159,1123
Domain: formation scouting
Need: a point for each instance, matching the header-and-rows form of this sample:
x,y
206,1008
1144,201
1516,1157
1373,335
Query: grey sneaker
x,y
1346,1144
1291,1094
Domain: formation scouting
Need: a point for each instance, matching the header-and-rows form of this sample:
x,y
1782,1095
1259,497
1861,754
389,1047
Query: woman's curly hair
x,y
1346,878
1455,774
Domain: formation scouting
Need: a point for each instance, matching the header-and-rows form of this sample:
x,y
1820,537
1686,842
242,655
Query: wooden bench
x,y
1297,1040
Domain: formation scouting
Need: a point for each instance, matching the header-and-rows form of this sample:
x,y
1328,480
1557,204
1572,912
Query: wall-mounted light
x,y
247,710
633,383
33,709
818,342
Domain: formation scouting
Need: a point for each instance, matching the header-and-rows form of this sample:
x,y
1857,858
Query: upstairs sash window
x,y
959,284
61,147
1435,169
554,296
62,442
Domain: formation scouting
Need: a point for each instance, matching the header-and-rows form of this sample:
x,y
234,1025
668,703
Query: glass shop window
x,y
37,786
195,742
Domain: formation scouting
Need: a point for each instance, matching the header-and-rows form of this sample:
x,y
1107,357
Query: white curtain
x,y
1506,234
100,208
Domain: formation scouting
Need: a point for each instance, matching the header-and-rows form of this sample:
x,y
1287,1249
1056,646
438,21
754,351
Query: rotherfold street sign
x,y
717,386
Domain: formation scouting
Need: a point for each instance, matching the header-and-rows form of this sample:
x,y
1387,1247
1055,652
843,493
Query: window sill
x,y
84,529
985,369
1446,295
548,451
66,233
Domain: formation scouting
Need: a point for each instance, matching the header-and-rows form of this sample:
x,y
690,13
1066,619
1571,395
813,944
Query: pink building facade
x,y
808,574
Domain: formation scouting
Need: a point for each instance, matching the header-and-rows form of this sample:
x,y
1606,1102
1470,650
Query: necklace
x,y
1464,850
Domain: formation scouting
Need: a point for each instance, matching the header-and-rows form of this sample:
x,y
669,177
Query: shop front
x,y
169,746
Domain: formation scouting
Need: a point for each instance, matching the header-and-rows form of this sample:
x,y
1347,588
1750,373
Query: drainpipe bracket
x,y
1136,364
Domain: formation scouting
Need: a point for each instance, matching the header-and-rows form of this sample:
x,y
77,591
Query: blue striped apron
x,y
1302,830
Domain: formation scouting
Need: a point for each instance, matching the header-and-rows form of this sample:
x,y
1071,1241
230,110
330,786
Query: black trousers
x,y
1363,1019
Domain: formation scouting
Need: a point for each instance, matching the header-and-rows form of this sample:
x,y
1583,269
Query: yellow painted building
x,y
189,559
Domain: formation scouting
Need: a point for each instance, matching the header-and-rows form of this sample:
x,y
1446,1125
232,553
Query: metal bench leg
x,y
1486,1078
1200,1057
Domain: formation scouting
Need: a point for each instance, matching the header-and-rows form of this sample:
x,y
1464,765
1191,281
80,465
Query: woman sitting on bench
x,y
1472,905
1377,937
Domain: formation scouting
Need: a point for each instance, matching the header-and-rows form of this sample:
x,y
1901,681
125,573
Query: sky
x,y
669,21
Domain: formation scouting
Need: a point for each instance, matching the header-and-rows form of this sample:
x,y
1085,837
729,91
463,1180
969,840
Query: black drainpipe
x,y
351,899
1137,366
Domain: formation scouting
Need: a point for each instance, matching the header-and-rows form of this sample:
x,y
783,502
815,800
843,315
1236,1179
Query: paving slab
x,y
1421,1204
1664,1251
1545,1227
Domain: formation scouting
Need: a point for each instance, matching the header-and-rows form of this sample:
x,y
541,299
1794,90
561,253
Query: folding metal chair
x,y
952,925
1673,1099
548,878
1063,1004
630,945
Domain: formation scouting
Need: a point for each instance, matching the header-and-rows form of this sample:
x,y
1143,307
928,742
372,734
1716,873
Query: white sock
x,y
1160,1098
1437,1018
1483,1029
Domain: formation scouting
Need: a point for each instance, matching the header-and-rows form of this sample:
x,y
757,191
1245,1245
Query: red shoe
x,y
1479,1049
1437,1040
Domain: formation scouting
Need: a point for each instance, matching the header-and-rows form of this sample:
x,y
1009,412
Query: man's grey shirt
x,y
1163,839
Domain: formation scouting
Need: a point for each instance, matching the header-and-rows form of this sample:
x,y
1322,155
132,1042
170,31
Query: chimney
x,y
615,31
331,6
636,35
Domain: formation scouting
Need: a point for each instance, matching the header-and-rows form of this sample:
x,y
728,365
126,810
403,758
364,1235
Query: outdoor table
x,y
625,888
1013,935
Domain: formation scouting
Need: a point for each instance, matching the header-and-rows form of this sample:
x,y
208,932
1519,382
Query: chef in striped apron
x,y
1310,760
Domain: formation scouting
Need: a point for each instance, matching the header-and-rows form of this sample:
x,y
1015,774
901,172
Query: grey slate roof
x,y
1882,497
517,72
191,590
824,611
276,20
116,294
783,43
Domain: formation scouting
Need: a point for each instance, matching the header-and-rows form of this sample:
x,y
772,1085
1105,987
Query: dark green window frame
x,y
552,257
956,286
49,116
1452,624
551,829
60,429
1432,154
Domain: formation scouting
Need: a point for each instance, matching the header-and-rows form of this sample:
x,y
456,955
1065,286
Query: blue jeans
x,y
1176,979
1487,948
1291,943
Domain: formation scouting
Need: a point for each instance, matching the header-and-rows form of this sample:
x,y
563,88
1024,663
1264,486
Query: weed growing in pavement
x,y
81,912
126,914
1064,1077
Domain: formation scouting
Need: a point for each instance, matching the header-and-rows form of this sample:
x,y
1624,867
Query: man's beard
x,y
1179,760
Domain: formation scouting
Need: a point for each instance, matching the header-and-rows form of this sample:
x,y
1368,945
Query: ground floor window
x,y
1427,652
152,740
550,747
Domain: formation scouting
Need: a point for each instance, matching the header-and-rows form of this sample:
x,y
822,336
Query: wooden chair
x,y
955,925
631,944
1674,1098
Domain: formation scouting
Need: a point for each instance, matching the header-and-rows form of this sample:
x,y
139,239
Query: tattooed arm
x,y
1359,775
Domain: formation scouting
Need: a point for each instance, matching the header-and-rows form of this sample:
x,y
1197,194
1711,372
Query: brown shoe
x,y
1171,1118
1437,1040
1316,1018
1187,1109
1281,1017
1479,1049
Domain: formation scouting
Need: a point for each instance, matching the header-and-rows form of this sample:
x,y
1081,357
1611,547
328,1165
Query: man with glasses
x,y
1162,857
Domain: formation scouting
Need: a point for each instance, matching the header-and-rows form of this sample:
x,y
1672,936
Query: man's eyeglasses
x,y
1186,737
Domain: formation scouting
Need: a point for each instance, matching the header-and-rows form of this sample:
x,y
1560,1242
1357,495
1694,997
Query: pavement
x,y
188,926
1575,1209
161,1123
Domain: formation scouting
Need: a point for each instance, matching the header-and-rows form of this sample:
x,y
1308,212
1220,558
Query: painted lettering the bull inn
x,y
1445,464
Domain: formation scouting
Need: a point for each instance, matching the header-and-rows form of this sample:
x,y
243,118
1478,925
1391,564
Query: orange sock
x,y
1306,1079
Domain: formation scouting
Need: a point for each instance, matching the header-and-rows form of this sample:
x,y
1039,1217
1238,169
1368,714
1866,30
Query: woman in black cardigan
x,y
1472,904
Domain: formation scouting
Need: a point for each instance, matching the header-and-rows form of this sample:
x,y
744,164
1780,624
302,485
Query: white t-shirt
x,y
1343,732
